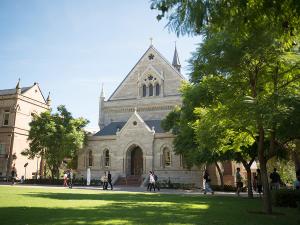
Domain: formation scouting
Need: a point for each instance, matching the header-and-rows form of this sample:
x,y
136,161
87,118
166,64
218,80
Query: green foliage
x,y
285,168
254,47
55,137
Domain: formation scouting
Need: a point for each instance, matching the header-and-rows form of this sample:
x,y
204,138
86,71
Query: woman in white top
x,y
152,181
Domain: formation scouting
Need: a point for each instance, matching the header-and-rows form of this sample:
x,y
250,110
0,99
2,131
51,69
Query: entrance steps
x,y
131,180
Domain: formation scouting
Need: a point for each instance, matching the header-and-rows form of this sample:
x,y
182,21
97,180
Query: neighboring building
x,y
17,106
131,141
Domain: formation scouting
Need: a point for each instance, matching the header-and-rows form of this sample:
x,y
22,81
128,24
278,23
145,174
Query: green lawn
x,y
20,205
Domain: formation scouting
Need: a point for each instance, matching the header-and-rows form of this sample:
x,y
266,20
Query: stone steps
x,y
129,181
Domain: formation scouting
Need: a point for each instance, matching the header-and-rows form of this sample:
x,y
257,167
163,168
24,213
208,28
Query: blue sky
x,y
71,47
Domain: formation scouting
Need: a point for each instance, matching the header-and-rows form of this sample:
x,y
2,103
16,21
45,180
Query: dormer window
x,y
6,118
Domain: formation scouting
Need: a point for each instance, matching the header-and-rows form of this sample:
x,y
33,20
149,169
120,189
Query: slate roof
x,y
112,128
13,91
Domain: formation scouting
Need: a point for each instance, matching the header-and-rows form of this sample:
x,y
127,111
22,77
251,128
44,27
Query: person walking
x,y
275,180
104,180
156,181
152,181
239,182
149,184
70,178
65,179
207,183
109,180
13,174
259,182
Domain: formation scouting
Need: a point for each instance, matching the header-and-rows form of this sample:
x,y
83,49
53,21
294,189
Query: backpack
x,y
155,177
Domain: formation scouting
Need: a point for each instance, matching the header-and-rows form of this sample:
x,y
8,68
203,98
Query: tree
x,y
252,45
55,137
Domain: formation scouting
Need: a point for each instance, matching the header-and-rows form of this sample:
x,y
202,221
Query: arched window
x,y
106,158
90,158
157,89
150,90
144,90
166,157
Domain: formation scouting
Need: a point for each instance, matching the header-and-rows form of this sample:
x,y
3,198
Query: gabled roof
x,y
160,55
113,127
13,91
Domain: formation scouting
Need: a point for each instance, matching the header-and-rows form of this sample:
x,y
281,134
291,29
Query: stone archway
x,y
134,161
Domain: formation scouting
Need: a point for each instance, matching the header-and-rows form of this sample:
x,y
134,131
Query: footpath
x,y
123,189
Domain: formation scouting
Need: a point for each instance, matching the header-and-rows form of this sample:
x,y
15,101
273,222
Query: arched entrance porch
x,y
134,163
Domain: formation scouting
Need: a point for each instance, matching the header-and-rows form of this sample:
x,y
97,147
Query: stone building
x,y
131,141
17,106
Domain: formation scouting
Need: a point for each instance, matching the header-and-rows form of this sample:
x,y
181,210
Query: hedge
x,y
286,198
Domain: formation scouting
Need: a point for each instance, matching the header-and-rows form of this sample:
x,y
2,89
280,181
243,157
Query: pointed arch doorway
x,y
134,161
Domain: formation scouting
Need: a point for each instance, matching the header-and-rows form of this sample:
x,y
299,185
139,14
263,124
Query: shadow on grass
x,y
121,197
122,208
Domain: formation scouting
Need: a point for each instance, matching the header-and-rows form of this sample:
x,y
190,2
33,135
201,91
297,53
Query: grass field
x,y
23,205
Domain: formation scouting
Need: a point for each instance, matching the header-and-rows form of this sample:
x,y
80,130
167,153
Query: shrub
x,y
286,198
79,182
171,185
227,188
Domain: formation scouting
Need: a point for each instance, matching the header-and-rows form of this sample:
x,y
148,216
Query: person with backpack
x,y
275,180
207,183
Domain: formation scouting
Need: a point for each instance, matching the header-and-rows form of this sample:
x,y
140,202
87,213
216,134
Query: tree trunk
x,y
221,175
267,207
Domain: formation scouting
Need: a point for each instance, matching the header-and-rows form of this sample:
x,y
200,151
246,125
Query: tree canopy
x,y
250,49
55,137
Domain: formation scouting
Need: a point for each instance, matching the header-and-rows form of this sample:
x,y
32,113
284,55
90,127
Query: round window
x,y
134,123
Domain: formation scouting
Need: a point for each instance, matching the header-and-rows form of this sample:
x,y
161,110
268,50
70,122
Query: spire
x,y
175,61
101,107
48,100
18,89
102,92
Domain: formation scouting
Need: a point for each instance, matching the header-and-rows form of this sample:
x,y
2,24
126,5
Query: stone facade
x,y
16,109
131,140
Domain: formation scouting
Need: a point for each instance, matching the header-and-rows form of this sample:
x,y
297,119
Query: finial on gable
x,y
151,40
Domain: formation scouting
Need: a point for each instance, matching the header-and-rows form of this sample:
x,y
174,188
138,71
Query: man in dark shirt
x,y
109,180
275,180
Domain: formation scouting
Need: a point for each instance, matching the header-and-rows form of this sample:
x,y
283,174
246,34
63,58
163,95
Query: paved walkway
x,y
131,189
